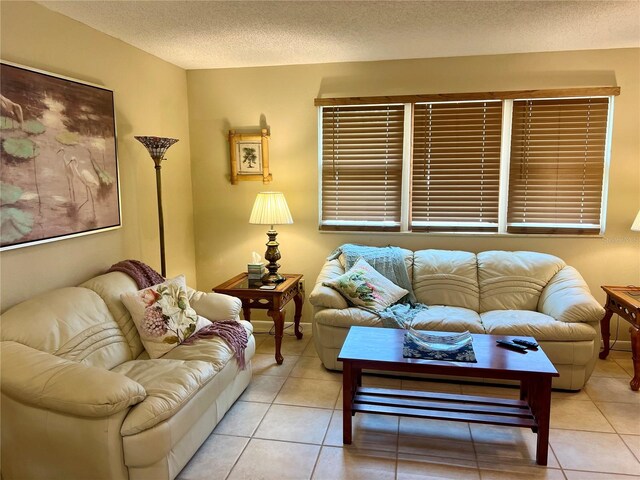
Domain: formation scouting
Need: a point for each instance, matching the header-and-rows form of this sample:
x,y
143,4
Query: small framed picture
x,y
249,156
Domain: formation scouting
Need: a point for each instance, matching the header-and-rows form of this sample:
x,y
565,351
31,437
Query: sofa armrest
x,y
46,381
215,306
327,297
567,298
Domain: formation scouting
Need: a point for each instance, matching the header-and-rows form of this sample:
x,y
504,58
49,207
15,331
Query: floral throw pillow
x,y
363,286
163,316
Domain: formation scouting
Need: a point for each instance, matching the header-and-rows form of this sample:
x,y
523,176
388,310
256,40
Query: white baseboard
x,y
622,345
264,326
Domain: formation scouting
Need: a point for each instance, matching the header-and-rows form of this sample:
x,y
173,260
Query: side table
x,y
625,301
273,301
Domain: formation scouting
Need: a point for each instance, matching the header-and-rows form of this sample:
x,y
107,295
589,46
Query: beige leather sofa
x,y
495,292
82,400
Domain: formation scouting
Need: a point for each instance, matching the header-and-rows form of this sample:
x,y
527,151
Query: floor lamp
x,y
157,146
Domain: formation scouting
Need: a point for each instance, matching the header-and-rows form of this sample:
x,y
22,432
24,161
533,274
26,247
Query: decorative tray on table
x,y
456,347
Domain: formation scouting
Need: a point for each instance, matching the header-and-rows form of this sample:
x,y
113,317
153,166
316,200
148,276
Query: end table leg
x,y
635,355
604,329
278,321
298,301
246,310
347,399
542,414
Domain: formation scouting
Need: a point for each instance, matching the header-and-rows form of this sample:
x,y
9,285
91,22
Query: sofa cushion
x,y
72,323
169,385
446,277
534,324
363,286
163,316
448,319
514,280
212,349
346,317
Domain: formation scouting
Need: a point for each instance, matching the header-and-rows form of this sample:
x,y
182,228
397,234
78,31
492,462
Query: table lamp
x,y
270,208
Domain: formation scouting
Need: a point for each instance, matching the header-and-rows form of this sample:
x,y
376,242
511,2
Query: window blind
x,y
557,165
456,166
362,167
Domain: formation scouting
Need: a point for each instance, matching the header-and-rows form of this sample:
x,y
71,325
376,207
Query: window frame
x,y
507,98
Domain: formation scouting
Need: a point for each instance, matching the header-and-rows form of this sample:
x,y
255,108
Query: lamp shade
x,y
156,146
270,208
635,226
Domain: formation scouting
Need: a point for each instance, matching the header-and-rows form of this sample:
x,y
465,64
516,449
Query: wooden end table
x,y
625,301
273,301
381,349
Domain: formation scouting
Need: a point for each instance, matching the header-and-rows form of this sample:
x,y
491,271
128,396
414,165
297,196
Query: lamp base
x,y
271,278
272,255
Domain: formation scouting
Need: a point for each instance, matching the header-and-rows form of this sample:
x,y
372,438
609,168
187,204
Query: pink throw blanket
x,y
143,274
229,330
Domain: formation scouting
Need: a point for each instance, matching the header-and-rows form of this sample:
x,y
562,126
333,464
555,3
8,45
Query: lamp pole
x,y
158,167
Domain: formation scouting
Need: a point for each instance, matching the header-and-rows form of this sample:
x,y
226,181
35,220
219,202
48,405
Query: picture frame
x,y
249,154
58,154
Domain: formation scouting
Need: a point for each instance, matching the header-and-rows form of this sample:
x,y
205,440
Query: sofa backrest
x,y
492,280
73,323
110,286
446,277
514,280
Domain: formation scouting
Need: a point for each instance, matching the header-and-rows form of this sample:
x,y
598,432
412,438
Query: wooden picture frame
x,y
249,154
58,153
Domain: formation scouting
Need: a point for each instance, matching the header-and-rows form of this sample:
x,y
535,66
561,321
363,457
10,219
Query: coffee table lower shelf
x,y
443,406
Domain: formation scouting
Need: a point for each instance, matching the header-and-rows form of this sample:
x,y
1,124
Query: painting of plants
x,y
58,175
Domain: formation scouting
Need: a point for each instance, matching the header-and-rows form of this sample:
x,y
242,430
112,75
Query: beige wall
x,y
282,98
151,99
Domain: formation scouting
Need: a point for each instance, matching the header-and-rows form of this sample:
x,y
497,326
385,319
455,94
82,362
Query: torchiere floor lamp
x,y
157,146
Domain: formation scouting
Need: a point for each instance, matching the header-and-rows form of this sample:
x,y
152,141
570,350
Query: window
x,y
362,166
505,162
557,165
456,166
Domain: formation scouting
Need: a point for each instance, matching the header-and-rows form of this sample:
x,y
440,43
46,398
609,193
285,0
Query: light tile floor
x,y
288,425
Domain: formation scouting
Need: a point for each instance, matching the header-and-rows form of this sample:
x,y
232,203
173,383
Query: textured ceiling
x,y
218,34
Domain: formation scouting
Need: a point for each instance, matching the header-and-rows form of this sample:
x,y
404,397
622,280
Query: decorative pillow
x,y
363,286
163,316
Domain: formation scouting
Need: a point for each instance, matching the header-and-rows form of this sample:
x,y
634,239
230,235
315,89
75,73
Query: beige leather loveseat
x,y
495,292
82,400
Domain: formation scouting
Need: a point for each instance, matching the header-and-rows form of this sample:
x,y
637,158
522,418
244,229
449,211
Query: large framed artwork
x,y
58,159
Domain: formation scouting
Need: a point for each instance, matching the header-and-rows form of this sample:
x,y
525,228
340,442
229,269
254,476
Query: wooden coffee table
x,y
381,349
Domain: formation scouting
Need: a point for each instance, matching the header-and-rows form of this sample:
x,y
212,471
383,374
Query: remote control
x,y
511,346
268,287
526,343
